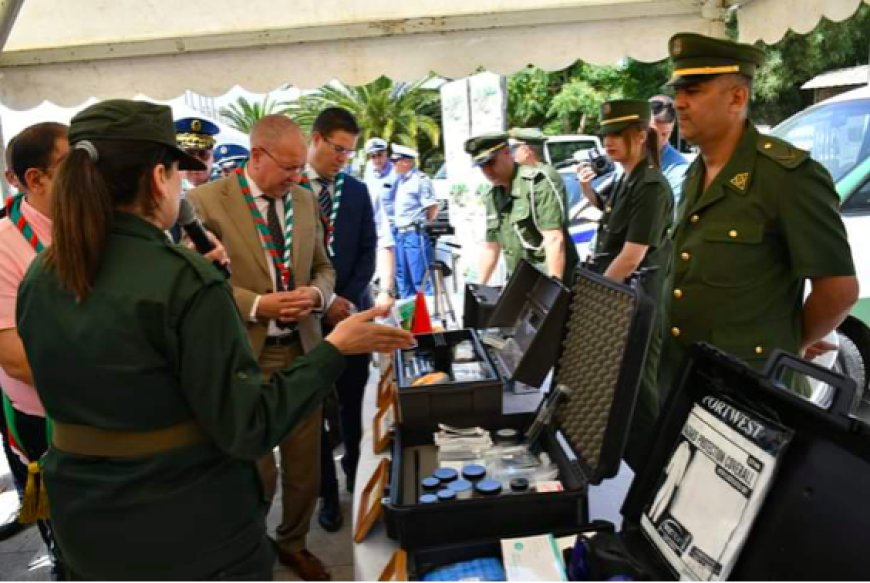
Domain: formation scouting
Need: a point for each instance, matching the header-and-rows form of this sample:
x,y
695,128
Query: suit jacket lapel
x,y
237,208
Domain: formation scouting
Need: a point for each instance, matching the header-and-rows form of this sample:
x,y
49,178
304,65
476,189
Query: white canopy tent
x,y
68,51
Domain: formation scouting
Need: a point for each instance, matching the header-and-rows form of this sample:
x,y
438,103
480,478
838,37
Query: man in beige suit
x,y
280,300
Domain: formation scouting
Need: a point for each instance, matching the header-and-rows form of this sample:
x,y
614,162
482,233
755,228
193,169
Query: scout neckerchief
x,y
283,265
328,222
34,505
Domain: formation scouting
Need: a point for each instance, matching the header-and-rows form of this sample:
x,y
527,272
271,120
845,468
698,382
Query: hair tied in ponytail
x,y
88,147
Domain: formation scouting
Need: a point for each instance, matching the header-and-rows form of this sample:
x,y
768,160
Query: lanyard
x,y
282,264
328,224
13,209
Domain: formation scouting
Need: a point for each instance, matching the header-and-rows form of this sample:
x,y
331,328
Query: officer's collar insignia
x,y
677,46
740,180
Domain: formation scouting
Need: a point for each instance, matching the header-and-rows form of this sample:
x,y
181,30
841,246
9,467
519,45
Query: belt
x,y
408,229
93,441
284,339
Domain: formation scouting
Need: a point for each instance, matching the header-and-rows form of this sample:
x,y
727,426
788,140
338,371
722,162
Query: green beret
x,y
697,58
138,121
483,147
619,114
527,135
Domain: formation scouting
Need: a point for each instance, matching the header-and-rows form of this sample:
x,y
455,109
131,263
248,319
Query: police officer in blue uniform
x,y
414,205
228,157
196,136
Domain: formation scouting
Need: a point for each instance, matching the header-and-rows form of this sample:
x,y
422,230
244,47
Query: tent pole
x,y
8,13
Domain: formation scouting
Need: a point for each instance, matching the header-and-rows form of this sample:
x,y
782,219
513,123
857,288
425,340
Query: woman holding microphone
x,y
632,235
141,359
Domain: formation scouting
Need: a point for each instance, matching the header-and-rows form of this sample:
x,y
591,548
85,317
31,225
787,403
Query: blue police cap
x,y
195,133
230,153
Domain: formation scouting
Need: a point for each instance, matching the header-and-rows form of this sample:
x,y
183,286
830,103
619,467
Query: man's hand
x,y
219,253
340,309
285,306
817,349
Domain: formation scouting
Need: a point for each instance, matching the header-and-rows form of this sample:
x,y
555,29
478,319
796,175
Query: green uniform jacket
x,y
157,342
744,248
536,202
640,210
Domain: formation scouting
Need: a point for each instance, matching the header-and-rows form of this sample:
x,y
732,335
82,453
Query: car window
x,y
561,151
836,134
859,202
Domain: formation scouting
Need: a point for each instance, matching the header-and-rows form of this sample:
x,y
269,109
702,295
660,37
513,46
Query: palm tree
x,y
243,114
405,113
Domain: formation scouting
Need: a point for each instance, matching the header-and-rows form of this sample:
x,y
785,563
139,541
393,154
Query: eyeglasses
x,y
340,150
291,170
664,109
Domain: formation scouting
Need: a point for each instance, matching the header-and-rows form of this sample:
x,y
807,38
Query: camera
x,y
595,159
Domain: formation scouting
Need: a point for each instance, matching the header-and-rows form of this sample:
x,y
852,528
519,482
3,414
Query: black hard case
x,y
814,521
586,439
449,402
534,307
480,301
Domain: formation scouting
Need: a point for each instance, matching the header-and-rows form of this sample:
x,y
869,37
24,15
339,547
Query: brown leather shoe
x,y
305,564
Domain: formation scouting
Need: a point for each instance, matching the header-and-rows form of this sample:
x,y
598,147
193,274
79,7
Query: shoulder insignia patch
x,y
739,181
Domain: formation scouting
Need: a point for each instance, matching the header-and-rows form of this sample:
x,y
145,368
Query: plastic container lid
x,y
445,475
519,485
428,499
473,472
446,494
506,436
488,487
459,485
430,484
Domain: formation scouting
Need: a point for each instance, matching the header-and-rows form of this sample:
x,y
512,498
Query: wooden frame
x,y
386,386
370,504
385,418
397,568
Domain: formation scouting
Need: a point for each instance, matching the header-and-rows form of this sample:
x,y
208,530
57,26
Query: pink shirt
x,y
16,254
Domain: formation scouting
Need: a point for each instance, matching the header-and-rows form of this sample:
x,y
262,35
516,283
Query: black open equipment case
x,y
602,354
813,522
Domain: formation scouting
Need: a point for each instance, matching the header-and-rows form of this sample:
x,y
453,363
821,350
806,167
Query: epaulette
x,y
206,272
781,151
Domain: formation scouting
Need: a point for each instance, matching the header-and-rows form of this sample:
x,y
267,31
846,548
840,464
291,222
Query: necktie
x,y
324,199
277,234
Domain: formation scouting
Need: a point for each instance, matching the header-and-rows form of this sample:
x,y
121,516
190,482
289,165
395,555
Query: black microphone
x,y
193,227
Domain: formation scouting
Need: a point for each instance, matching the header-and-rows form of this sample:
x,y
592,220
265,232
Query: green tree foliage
x,y
243,114
567,101
404,113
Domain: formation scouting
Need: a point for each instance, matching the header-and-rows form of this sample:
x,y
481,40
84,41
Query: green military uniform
x,y
639,211
157,344
745,246
515,217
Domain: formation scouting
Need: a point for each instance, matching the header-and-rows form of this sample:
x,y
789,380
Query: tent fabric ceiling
x,y
769,20
66,52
